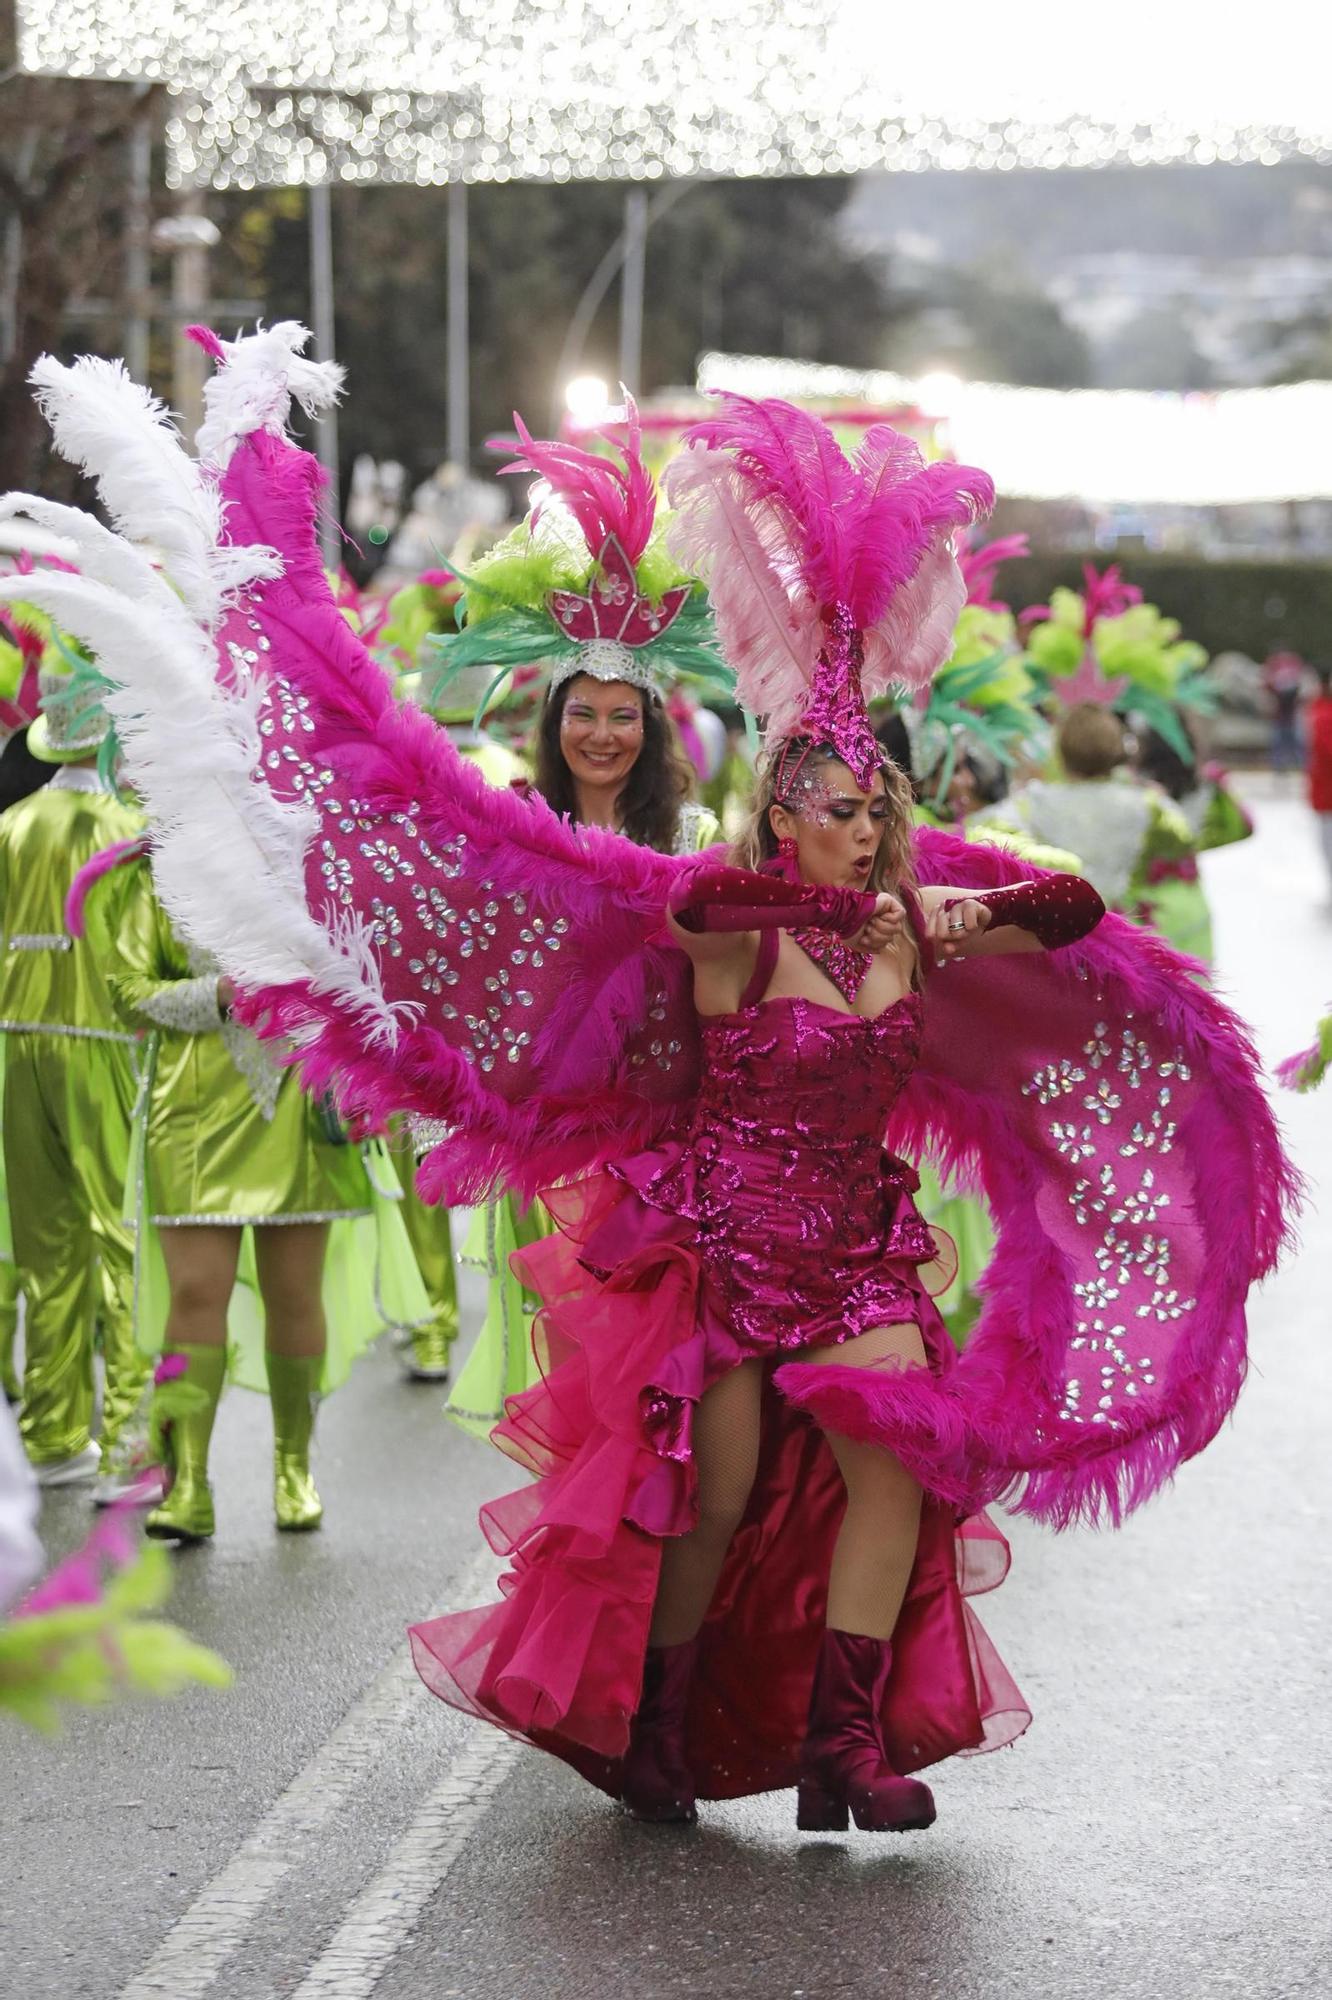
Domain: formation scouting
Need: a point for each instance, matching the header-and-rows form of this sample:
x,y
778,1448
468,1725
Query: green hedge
x,y
1231,606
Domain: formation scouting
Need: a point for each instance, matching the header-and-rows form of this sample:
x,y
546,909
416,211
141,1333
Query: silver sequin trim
x,y
255,1221
54,1028
189,1006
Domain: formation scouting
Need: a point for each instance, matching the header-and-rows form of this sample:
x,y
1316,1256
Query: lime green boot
x,y
186,1514
293,1384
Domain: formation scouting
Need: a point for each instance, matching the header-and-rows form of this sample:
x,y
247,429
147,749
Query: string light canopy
x,y
433,91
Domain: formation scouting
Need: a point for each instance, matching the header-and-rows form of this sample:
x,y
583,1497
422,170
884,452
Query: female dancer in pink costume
x,y
775,1229
707,1592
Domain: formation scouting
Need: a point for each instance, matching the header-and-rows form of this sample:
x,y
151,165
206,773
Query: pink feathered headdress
x,y
831,579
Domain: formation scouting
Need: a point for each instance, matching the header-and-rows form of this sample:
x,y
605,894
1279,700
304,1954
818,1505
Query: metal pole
x,y
321,319
189,301
459,359
138,264
632,287
595,291
11,253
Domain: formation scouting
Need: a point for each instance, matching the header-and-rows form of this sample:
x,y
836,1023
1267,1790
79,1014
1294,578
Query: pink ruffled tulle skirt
x,y
630,1336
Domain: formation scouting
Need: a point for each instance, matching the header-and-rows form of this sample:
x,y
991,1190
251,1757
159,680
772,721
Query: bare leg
x,y
876,1543
290,1257
726,1445
201,1266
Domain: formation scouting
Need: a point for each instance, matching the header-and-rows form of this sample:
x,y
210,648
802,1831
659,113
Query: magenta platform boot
x,y
844,1770
655,1784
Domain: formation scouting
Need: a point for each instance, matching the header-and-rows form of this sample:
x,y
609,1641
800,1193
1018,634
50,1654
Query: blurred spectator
x,y
1319,725
1283,683
20,771
894,738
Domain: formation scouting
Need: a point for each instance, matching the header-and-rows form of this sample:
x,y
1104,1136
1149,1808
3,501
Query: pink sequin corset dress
x,y
775,1222
805,1225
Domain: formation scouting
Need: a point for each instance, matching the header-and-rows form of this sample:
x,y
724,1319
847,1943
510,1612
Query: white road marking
x,y
384,1916
220,1918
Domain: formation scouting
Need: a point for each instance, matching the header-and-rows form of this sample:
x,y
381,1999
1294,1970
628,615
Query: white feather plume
x,y
95,550
228,857
117,431
254,387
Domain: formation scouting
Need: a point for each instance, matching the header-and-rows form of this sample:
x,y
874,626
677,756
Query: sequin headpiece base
x,y
835,712
613,624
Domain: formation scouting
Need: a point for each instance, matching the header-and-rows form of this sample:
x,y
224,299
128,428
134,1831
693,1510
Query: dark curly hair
x,y
658,785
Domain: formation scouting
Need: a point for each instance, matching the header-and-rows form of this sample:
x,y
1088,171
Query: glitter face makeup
x,y
837,827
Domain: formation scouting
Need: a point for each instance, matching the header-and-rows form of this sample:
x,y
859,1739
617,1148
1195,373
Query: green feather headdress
x,y
584,585
1105,644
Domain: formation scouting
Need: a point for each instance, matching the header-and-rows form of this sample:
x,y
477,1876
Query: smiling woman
x,y
608,755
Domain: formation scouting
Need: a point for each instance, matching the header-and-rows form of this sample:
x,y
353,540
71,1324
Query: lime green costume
x,y
69,1084
10,1291
224,1137
502,1362
1175,902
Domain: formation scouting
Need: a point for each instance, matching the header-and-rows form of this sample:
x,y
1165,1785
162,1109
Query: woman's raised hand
x,y
884,927
953,925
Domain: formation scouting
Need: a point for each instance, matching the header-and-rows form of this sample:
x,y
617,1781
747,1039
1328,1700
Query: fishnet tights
x,y
876,1543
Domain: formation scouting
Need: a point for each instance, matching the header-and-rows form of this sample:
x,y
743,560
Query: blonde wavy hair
x,y
894,863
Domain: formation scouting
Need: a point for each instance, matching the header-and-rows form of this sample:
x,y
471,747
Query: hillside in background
x,y
1043,218
1152,278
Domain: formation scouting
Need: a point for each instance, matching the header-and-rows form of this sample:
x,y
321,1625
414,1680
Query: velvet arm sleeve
x,y
718,898
1057,910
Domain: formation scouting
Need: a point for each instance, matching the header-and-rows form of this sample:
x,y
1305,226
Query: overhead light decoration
x,y
496,90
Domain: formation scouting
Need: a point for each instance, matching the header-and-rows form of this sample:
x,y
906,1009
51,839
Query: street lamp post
x,y
459,380
322,326
633,282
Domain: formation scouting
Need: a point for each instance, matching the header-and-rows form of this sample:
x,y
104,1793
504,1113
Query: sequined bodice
x,y
805,1222
793,1076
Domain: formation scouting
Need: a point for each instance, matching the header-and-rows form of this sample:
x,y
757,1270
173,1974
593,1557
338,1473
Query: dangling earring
x,y
784,862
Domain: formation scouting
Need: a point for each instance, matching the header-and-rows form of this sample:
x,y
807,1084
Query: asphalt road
x,y
326,1829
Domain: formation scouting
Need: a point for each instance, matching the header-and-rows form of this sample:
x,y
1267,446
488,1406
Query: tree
x,y
758,265
62,205
991,324
1156,350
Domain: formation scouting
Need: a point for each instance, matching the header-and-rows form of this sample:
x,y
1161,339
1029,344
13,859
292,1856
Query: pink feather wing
x,y
519,953
1111,1110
